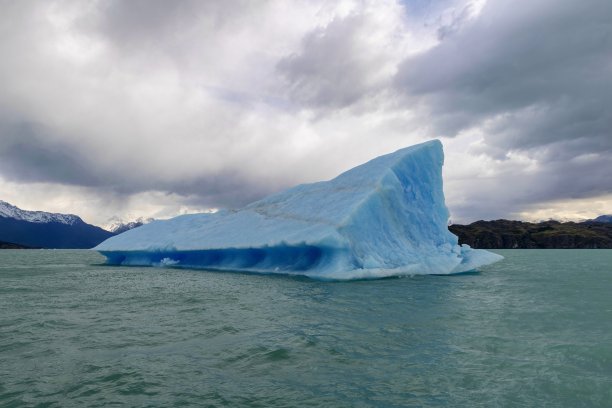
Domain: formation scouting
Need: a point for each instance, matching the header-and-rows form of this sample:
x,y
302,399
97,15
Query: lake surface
x,y
533,330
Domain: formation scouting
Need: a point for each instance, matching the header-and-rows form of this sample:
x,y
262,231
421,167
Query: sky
x,y
114,110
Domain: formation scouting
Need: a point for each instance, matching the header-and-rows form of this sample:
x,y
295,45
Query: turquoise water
x,y
533,330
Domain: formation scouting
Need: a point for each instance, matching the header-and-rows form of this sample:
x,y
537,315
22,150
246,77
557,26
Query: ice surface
x,y
386,217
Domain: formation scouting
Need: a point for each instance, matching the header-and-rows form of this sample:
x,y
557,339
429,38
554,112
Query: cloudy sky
x,y
155,108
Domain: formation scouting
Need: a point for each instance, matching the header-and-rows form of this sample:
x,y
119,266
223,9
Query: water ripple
x,y
533,330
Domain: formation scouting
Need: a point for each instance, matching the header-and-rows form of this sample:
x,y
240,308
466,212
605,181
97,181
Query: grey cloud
x,y
28,154
145,21
554,57
204,100
583,125
337,64
513,190
327,71
228,189
536,78
159,23
103,122
459,18
185,33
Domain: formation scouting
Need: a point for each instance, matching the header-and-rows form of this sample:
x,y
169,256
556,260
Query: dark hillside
x,y
548,234
10,245
51,234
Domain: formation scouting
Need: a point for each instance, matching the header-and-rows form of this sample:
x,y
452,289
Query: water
x,y
533,330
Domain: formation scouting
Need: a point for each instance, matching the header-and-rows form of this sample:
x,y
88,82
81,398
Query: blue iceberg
x,y
386,217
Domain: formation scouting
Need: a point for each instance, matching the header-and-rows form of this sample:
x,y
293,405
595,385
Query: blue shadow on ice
x,y
283,259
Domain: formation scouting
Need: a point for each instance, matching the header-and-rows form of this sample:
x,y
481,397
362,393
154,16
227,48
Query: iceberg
x,y
386,217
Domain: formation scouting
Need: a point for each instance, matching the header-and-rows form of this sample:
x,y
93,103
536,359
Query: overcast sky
x,y
155,108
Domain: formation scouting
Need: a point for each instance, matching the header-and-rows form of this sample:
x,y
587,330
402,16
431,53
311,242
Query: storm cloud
x,y
533,80
149,108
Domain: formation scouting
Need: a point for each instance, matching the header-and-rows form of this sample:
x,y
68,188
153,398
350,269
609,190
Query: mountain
x,y
547,234
10,211
10,245
47,230
120,226
603,218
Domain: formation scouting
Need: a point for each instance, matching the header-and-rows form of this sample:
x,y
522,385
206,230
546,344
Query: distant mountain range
x,y
40,229
595,233
603,218
120,226
37,229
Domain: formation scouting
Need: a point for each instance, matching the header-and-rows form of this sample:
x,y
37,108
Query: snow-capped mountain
x,y
39,229
10,211
118,227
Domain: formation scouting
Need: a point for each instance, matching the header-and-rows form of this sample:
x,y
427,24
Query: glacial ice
x,y
386,217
